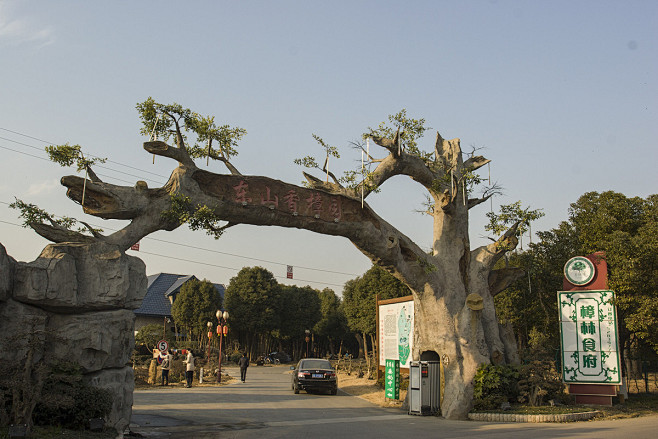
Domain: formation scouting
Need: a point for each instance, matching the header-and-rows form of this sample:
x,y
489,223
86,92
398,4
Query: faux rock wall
x,y
79,299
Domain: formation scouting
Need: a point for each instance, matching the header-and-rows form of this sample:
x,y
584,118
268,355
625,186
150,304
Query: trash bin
x,y
424,388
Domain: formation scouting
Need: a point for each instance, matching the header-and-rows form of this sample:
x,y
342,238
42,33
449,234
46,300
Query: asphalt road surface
x,y
266,407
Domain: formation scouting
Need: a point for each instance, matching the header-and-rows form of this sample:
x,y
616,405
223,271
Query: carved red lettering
x,y
241,192
269,200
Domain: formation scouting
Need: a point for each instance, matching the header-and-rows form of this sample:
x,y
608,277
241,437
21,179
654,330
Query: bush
x,y
539,379
494,385
234,357
67,401
149,335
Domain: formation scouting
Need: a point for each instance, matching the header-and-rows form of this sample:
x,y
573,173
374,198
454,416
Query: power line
x,y
55,143
128,182
95,166
230,268
222,253
208,263
48,160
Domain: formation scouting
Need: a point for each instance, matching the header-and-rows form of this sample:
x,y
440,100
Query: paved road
x,y
265,407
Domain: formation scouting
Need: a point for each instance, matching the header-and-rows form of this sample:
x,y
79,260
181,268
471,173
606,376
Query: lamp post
x,y
209,324
307,338
164,327
222,330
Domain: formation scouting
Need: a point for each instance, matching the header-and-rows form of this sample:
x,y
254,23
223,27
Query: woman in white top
x,y
189,371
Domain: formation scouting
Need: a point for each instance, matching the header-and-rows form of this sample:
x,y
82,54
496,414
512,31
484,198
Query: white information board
x,y
590,346
396,332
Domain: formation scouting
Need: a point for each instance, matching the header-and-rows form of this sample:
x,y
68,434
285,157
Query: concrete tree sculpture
x,y
453,285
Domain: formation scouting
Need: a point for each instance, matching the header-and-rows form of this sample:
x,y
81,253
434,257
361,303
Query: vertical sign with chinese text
x,y
588,328
396,325
289,271
392,379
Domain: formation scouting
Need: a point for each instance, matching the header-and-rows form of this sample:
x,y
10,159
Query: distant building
x,y
161,293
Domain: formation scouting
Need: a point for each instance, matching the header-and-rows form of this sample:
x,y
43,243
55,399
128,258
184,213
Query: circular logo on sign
x,y
163,345
579,270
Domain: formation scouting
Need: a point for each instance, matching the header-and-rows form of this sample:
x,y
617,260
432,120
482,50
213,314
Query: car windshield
x,y
315,364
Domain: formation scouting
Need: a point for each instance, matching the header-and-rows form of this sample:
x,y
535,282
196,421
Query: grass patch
x,y
634,406
541,410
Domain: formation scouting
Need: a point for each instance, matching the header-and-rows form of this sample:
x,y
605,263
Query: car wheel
x,y
334,391
295,388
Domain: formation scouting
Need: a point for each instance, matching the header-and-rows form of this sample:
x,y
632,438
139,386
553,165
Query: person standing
x,y
166,365
189,370
243,362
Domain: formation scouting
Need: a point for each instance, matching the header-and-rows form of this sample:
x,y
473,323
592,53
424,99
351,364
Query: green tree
x,y
252,298
149,335
626,229
333,324
300,311
195,306
359,301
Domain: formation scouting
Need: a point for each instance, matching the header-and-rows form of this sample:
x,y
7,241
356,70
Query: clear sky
x,y
561,95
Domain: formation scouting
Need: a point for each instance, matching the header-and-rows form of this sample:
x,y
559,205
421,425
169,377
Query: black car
x,y
314,374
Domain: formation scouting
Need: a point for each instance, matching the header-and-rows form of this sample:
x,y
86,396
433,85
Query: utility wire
x,y
128,182
55,143
95,166
208,263
220,252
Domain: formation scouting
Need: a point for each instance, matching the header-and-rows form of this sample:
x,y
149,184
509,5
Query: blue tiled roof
x,y
159,287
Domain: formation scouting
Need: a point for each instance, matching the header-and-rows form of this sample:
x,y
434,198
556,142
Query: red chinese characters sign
x,y
275,195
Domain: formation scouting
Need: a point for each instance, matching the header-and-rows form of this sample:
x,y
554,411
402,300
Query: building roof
x,y
160,287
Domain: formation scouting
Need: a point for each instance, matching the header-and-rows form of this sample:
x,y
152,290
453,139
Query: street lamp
x,y
209,324
164,327
222,330
307,338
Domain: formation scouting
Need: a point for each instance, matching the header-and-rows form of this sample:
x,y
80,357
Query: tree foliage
x,y
149,335
211,141
359,297
252,299
196,305
300,310
333,323
626,229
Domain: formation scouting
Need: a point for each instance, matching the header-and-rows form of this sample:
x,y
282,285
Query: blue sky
x,y
561,96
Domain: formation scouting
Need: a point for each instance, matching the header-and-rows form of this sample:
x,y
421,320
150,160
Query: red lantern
x,y
219,329
225,330
307,339
209,334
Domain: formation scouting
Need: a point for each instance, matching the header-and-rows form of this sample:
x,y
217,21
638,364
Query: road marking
x,y
334,420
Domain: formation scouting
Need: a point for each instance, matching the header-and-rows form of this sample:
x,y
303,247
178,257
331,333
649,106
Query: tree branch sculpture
x,y
463,334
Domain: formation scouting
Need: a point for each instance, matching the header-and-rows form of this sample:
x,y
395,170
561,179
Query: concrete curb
x,y
512,417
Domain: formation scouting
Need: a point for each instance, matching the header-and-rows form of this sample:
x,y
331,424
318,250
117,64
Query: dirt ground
x,y
368,390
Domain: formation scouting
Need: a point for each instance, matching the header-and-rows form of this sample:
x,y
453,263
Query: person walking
x,y
166,365
189,370
243,362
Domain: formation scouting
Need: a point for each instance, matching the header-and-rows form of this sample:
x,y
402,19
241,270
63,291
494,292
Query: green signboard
x,y
392,379
588,326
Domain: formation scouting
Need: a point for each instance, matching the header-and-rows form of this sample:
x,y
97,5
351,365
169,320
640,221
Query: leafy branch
x,y
197,217
512,214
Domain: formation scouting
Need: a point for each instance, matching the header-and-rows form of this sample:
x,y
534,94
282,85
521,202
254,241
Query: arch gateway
x,y
453,285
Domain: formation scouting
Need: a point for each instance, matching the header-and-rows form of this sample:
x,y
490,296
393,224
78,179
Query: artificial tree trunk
x,y
453,287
